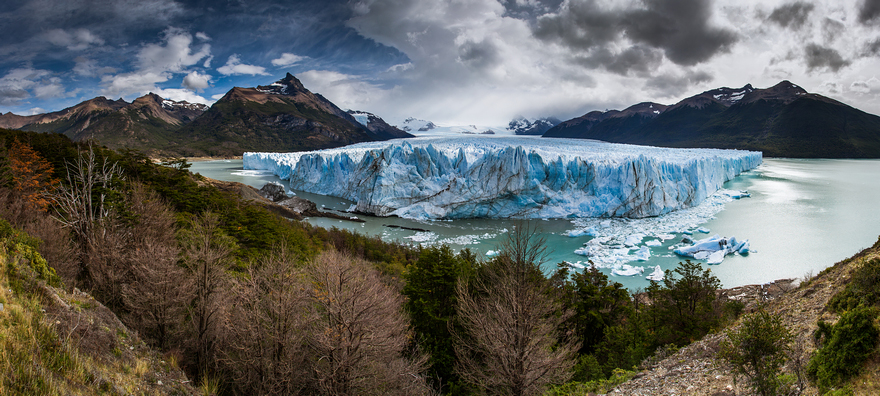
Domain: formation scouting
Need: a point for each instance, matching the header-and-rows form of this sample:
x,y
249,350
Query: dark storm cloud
x,y
819,57
679,28
669,85
478,54
792,15
869,11
637,59
832,29
872,48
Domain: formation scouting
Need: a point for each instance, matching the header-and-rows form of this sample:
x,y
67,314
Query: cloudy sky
x,y
453,62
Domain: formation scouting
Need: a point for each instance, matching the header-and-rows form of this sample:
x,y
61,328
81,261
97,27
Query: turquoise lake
x,y
802,216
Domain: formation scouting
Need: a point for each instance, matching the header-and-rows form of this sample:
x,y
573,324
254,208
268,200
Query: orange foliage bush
x,y
31,174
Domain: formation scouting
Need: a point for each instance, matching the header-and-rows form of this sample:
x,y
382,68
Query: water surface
x,y
803,216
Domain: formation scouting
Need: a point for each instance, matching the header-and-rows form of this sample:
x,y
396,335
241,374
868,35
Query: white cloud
x,y
287,59
75,40
89,68
132,83
234,66
36,110
218,96
181,95
203,36
195,81
20,84
173,54
344,90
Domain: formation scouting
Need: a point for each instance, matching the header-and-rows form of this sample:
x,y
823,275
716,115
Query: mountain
x,y
412,124
522,126
781,121
143,124
377,125
283,116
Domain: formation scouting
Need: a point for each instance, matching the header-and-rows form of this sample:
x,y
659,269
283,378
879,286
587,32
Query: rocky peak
x,y
289,85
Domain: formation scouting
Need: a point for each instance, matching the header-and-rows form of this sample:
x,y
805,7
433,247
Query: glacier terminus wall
x,y
508,177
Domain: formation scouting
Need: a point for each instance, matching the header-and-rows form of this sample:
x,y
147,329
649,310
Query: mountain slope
x,y
378,126
693,369
283,116
143,124
782,121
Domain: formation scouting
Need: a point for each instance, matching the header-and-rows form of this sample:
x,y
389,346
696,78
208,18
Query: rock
x,y
273,191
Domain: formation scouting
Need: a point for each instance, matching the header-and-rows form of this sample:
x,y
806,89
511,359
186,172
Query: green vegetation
x,y
844,348
757,350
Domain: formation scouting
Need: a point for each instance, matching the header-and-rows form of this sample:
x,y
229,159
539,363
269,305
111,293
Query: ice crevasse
x,y
508,177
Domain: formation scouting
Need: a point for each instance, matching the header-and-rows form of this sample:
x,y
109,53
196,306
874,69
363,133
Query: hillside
x,y
693,369
58,342
781,121
283,116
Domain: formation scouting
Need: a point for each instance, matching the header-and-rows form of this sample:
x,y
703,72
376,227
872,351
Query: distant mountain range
x,y
283,116
522,126
781,121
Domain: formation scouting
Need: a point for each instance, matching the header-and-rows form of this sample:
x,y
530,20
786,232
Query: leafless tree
x,y
84,203
266,350
159,288
360,335
510,341
207,254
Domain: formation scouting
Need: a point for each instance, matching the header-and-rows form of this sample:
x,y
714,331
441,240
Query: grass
x,y
40,356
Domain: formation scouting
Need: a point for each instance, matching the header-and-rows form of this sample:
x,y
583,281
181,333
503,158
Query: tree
x,y
684,308
360,334
432,301
207,254
757,350
31,174
159,288
86,204
267,328
510,339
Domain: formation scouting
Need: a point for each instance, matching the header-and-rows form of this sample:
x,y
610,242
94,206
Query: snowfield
x,y
508,177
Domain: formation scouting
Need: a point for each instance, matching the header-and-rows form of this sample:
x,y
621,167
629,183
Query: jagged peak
x,y
289,85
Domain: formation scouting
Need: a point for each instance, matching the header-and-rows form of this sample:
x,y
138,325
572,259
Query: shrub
x,y
757,350
861,290
845,346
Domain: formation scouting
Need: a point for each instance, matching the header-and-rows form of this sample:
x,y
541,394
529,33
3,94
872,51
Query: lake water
x,y
803,216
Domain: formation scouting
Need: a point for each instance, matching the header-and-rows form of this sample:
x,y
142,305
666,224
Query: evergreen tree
x,y
431,303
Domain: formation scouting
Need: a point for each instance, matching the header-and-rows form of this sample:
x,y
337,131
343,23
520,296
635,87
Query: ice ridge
x,y
508,177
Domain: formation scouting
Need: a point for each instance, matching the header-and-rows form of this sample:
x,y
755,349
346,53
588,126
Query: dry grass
x,y
49,344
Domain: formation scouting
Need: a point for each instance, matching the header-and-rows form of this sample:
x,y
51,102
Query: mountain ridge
x,y
282,116
781,121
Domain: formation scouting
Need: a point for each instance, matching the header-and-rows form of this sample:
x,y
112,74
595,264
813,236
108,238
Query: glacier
x,y
508,177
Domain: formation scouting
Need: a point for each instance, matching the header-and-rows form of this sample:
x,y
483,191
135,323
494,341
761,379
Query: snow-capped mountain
x,y
522,125
377,125
781,121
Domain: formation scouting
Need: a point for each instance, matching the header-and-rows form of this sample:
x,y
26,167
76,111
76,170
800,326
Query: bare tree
x,y
207,254
266,351
510,342
360,335
159,287
84,204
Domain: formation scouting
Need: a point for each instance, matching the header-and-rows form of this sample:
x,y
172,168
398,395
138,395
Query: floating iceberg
x,y
508,177
657,275
627,270
713,249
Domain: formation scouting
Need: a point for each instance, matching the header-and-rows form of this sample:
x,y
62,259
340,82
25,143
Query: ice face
x,y
509,177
